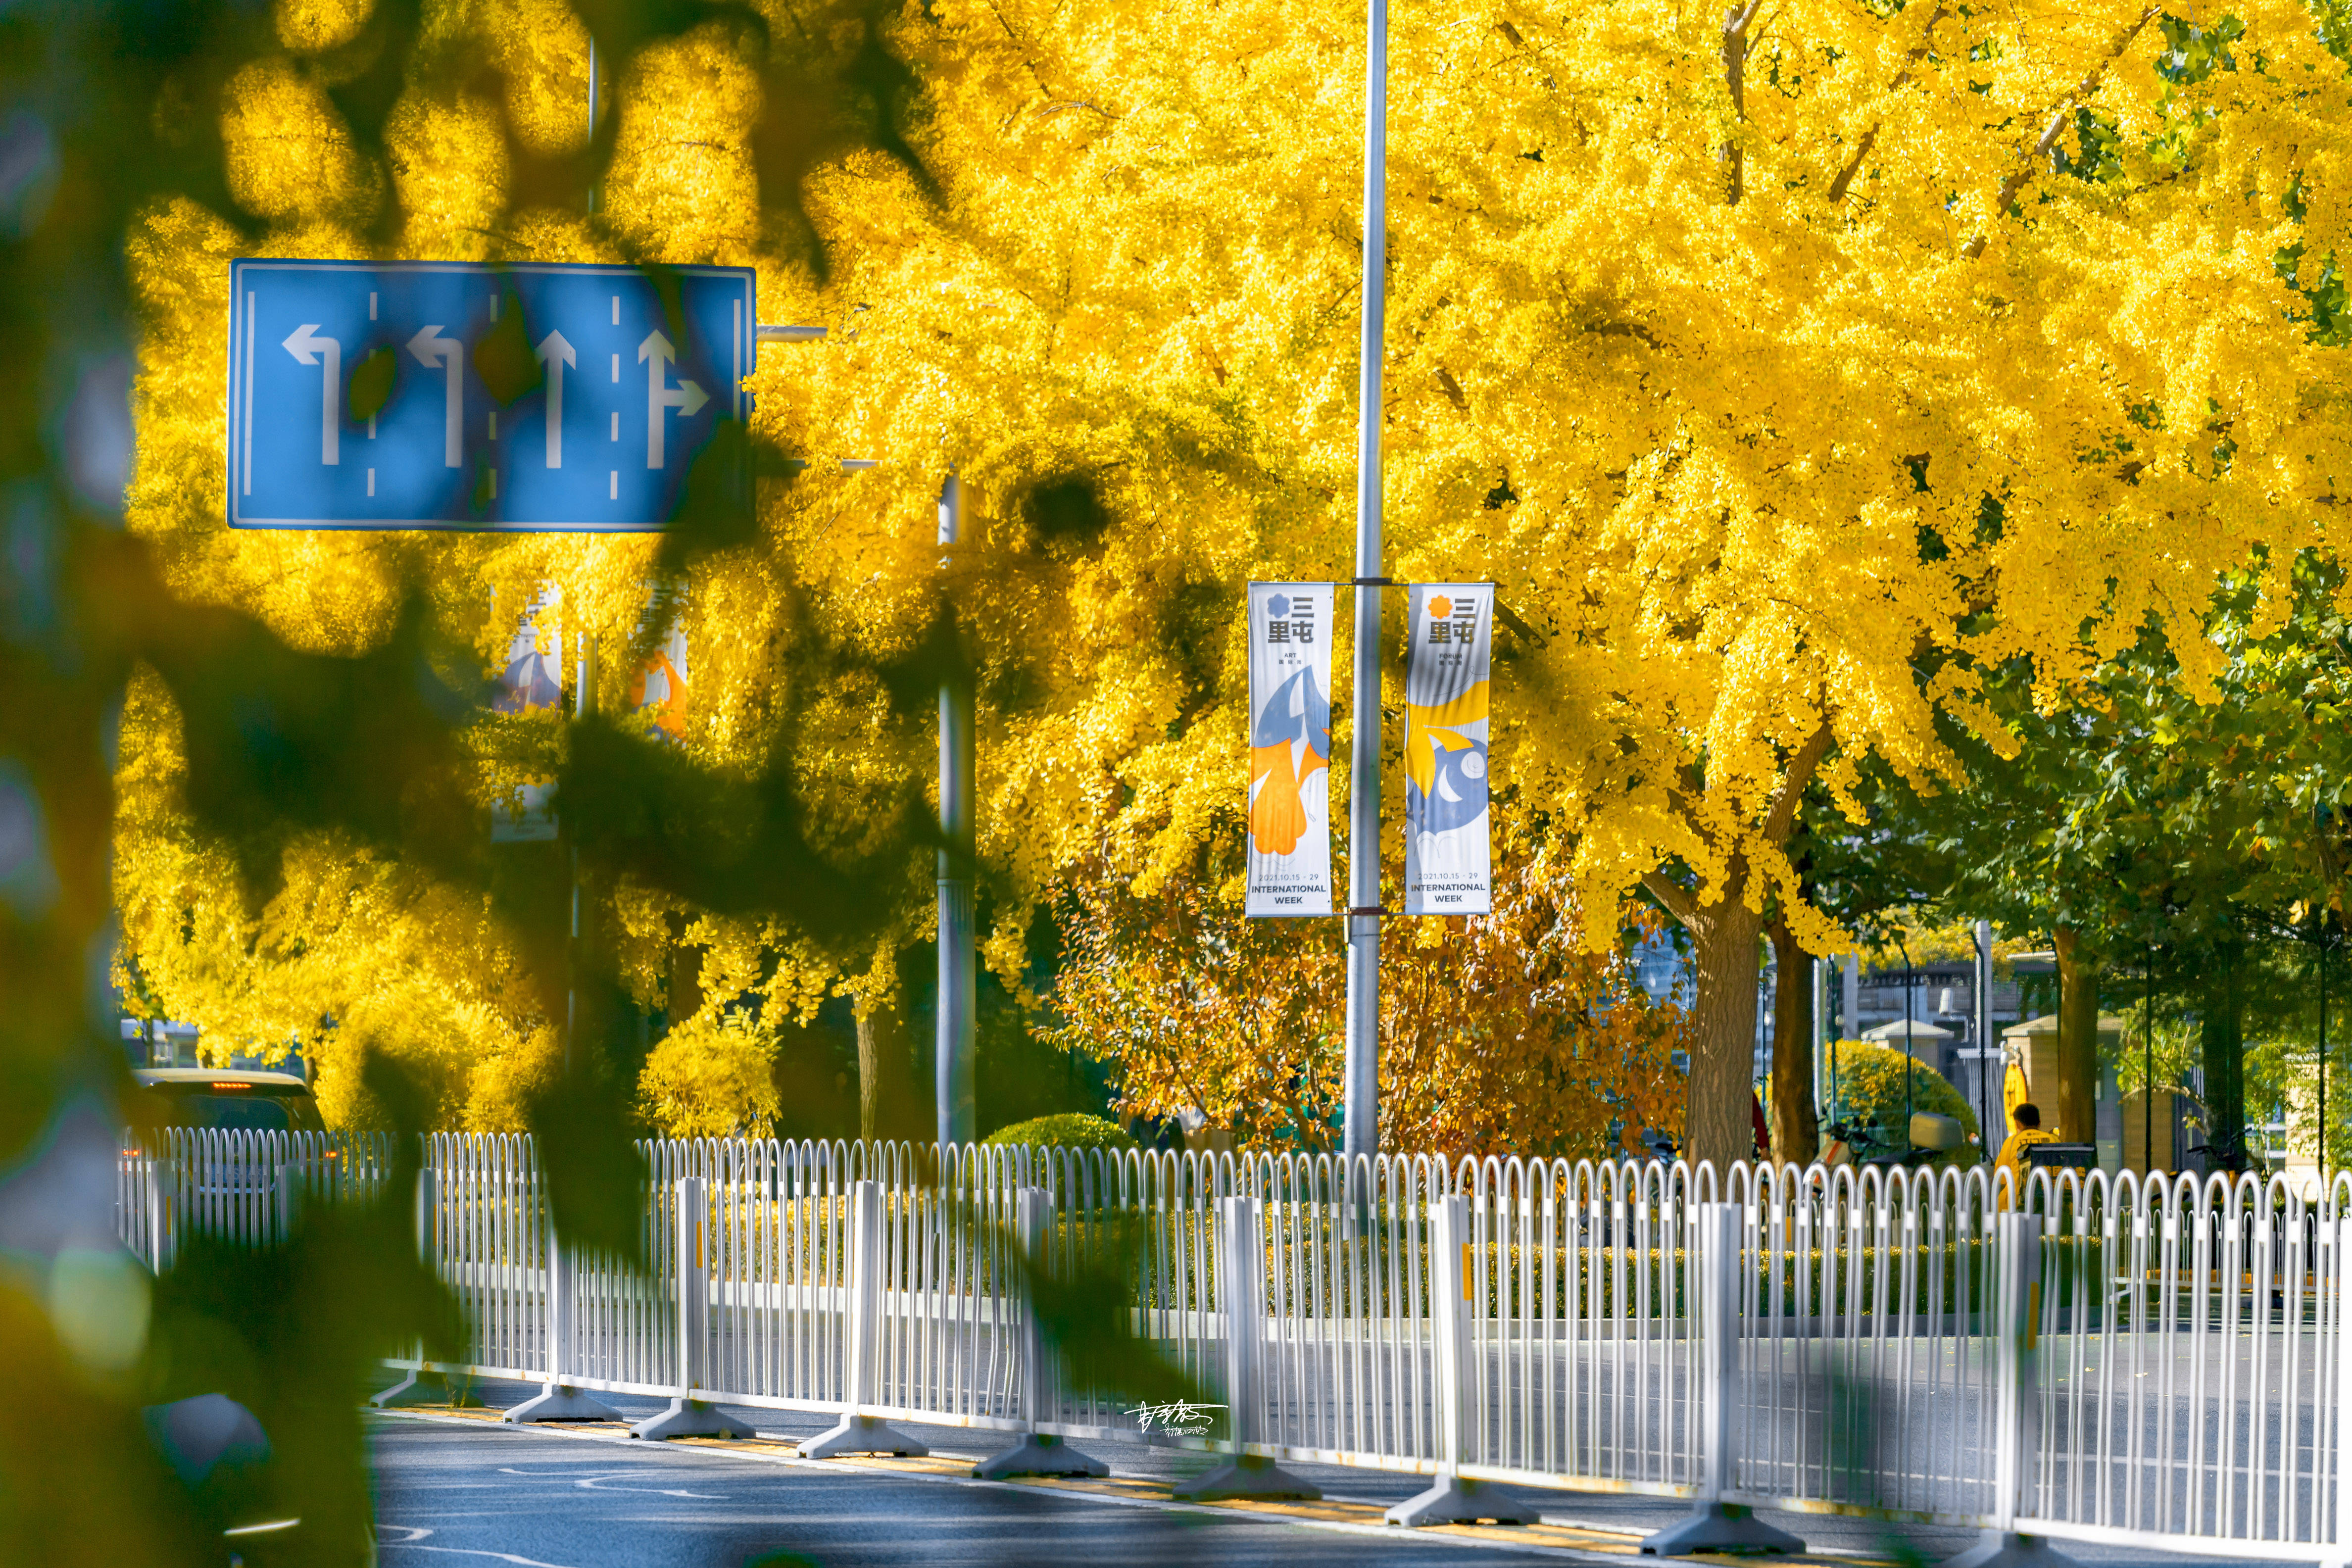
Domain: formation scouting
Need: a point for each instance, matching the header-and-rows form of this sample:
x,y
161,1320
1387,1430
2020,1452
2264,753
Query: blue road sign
x,y
443,394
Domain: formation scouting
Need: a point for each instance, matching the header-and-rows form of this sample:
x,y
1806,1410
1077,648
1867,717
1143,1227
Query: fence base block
x,y
861,1435
1720,1527
425,1387
1246,1476
690,1418
561,1402
1038,1454
1454,1500
2002,1549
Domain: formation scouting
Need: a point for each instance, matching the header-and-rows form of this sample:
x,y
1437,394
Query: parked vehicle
x,y
246,1102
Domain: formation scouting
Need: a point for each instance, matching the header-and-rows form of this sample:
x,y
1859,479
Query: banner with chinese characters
x,y
1448,868
530,682
1290,749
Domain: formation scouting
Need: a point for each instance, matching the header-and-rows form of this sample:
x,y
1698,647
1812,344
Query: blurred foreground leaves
x,y
113,119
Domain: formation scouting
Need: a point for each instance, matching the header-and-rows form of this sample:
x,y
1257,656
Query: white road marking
x,y
417,1533
473,1551
592,1483
589,1483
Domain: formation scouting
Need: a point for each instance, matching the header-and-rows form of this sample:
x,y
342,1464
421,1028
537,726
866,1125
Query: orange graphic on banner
x,y
669,706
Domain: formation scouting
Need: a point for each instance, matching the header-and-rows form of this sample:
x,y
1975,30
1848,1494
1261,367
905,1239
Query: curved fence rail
x,y
2158,1363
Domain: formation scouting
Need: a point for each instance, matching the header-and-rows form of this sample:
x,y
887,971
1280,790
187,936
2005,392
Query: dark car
x,y
210,1096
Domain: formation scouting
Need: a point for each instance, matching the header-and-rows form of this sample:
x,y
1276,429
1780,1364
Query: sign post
x,y
1360,1131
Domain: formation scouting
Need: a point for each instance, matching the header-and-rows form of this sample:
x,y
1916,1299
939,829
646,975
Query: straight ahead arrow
x,y
555,352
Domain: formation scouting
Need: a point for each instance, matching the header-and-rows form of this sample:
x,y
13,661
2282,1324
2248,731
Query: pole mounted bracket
x,y
1374,582
1365,909
767,332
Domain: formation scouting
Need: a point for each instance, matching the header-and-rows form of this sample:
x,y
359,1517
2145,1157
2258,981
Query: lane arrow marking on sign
x,y
555,352
687,398
448,354
305,344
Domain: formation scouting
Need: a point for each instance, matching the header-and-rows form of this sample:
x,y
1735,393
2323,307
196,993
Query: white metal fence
x,y
2158,1363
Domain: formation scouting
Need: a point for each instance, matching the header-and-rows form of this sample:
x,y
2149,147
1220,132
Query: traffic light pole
x,y
1362,1135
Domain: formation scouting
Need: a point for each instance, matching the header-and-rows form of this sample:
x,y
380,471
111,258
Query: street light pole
x,y
1362,1135
958,983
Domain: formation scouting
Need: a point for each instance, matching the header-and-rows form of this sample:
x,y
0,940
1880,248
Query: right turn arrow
x,y
655,354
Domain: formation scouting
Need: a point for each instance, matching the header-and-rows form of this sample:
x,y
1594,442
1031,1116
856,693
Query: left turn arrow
x,y
431,350
306,346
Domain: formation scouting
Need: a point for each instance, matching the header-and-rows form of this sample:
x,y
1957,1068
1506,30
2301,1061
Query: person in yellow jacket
x,y
2026,1118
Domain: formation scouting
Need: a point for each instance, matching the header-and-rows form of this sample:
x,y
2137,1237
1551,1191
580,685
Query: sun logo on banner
x,y
1291,740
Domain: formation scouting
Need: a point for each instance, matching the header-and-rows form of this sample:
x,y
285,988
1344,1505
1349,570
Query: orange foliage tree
x,y
1500,1033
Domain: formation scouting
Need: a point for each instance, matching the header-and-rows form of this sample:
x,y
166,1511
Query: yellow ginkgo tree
x,y
1787,369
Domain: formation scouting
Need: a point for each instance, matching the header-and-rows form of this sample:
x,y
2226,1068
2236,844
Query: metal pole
x,y
1820,1032
2147,1074
591,113
1850,1023
1984,1033
1910,971
584,703
1362,1135
956,1040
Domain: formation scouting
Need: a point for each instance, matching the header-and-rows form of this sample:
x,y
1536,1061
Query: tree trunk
x,y
1796,1131
682,998
2078,1039
1721,1124
883,1055
2222,1043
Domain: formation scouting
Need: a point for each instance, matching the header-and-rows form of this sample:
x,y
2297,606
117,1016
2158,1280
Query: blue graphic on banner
x,y
442,395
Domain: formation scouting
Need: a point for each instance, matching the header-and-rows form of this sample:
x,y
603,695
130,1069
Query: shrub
x,y
1069,1130
1869,1097
713,1076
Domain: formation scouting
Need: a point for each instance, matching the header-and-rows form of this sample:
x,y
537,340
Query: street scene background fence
x,y
2100,1358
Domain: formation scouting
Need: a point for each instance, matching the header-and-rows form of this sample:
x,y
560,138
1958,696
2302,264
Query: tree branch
x,y
1801,767
1902,78
1677,898
2018,179
1735,23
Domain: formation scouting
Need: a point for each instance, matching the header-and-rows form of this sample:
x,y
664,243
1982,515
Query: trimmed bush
x,y
1069,1130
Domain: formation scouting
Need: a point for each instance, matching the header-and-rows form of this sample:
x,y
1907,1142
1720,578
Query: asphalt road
x,y
451,1493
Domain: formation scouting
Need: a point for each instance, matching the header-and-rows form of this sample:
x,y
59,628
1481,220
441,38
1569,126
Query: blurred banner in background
x,y
532,682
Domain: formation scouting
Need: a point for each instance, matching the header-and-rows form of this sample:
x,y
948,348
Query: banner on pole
x,y
1290,749
1448,864
658,688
